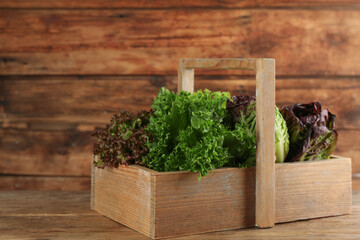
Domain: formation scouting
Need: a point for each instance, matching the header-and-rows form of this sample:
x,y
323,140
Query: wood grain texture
x,y
265,143
356,182
141,4
67,103
65,227
142,42
67,215
44,183
60,153
348,145
92,196
45,203
187,67
220,63
125,195
185,77
316,189
224,199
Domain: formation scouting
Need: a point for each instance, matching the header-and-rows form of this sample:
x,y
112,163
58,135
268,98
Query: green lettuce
x,y
188,132
206,130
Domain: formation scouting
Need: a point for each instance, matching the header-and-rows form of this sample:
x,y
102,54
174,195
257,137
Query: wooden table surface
x,y
67,215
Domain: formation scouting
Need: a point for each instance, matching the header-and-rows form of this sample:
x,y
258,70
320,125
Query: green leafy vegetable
x,y
242,140
206,130
282,142
312,132
187,131
123,141
243,112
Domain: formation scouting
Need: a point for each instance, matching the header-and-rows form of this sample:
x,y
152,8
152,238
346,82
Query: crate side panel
x,y
124,195
225,199
313,189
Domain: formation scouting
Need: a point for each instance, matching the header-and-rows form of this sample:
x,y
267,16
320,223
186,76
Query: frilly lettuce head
x,y
187,131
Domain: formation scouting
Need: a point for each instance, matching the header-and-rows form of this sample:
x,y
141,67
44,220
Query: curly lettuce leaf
x,y
123,140
188,132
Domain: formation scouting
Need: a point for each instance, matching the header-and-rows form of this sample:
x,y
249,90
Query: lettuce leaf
x,y
312,132
243,112
188,131
123,140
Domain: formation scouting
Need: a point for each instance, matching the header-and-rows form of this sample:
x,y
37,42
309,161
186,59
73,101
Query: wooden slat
x,y
125,195
220,63
186,77
173,4
187,67
348,146
356,182
225,199
323,42
73,99
66,215
60,103
92,196
34,203
265,143
63,153
65,227
43,183
313,190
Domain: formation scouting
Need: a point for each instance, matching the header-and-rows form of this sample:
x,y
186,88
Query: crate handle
x,y
265,122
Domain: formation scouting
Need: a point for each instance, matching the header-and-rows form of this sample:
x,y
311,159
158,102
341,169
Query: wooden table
x,y
67,215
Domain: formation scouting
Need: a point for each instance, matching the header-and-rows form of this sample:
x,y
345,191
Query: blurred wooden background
x,y
66,66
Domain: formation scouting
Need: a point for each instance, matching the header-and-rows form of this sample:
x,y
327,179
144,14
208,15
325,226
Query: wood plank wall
x,y
66,66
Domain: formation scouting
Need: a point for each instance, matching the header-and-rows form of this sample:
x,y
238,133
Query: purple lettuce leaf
x,y
312,132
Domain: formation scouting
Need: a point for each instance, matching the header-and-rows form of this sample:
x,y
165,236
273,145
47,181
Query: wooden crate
x,y
171,204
